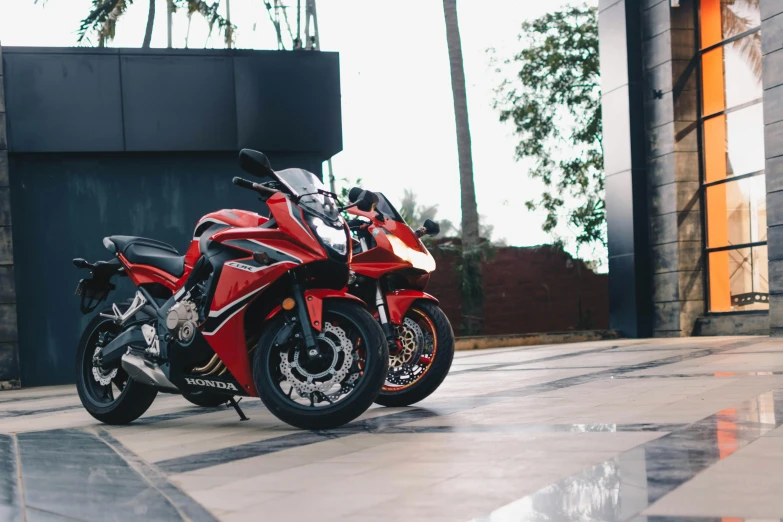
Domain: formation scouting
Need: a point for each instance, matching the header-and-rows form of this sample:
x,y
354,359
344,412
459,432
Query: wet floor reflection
x,y
700,374
620,488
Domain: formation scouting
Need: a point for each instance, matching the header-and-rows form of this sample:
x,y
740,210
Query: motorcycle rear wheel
x,y
424,379
354,383
122,400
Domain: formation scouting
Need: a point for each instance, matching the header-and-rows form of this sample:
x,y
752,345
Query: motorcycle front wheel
x,y
330,388
423,358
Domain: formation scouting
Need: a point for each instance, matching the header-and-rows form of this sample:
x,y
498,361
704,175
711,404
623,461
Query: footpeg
x,y
235,403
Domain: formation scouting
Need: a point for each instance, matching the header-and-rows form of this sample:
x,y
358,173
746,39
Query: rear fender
x,y
314,299
399,301
95,289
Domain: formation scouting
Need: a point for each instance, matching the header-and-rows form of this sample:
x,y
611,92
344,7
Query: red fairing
x,y
314,299
241,282
399,301
233,217
385,257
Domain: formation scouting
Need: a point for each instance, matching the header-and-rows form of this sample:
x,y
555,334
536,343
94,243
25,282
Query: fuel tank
x,y
226,218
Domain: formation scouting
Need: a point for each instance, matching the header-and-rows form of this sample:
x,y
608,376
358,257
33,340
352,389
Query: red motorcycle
x,y
390,268
255,307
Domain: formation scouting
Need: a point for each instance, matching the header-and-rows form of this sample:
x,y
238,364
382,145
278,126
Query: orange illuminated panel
x,y
712,82
720,286
710,22
715,149
717,222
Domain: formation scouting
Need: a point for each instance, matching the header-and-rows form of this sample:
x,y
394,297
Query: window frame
x,y
701,118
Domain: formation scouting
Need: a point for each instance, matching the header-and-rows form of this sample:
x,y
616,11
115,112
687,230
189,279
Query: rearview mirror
x,y
256,163
431,227
354,194
366,200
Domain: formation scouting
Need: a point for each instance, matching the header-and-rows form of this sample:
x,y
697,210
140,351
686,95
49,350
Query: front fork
x,y
304,319
388,331
380,304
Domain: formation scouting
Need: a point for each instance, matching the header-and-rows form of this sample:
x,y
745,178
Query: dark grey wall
x,y
772,47
101,100
142,143
624,161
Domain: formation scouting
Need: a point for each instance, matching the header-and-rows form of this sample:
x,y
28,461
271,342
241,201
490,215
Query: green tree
x,y
102,19
554,104
472,295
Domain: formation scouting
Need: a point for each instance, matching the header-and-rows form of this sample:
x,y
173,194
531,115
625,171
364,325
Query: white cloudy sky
x,y
398,122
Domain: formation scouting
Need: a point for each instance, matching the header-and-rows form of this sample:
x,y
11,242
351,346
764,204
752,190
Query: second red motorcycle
x,y
390,270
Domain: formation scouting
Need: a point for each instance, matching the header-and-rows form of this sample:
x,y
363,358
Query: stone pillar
x,y
670,101
772,48
9,356
624,164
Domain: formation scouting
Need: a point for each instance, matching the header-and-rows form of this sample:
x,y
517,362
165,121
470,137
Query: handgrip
x,y
240,182
265,190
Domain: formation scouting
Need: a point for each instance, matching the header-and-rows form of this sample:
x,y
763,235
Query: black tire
x,y
439,367
206,399
347,408
134,398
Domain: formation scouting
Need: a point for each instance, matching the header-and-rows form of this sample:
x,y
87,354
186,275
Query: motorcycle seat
x,y
144,251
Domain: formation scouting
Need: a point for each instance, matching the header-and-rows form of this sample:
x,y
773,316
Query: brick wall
x,y
9,357
535,289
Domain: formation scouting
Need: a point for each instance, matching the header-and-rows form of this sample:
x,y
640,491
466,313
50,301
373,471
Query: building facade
x,y
692,98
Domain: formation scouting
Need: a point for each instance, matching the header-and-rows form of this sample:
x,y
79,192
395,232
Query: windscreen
x,y
387,209
306,185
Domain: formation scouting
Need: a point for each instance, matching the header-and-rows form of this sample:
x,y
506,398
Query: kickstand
x,y
235,403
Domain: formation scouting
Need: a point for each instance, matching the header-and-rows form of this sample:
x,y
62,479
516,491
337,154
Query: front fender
x,y
314,299
399,301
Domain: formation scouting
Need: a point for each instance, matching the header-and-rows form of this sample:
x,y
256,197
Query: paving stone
x,y
511,434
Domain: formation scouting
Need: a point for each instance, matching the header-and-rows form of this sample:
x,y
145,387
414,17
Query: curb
x,y
484,342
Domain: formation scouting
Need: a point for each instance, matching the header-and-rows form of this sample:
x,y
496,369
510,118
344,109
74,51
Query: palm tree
x,y
102,20
471,287
150,23
734,24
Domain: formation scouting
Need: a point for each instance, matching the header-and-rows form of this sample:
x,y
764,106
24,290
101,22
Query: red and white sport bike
x,y
255,307
390,269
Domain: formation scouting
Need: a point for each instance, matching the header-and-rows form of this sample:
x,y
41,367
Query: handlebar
x,y
245,183
356,223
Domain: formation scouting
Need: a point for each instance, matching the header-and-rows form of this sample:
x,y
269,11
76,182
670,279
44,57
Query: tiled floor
x,y
648,431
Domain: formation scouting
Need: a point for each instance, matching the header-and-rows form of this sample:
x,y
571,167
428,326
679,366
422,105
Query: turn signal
x,y
288,303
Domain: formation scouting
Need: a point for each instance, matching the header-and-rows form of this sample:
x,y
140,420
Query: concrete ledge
x,y
733,324
13,384
499,341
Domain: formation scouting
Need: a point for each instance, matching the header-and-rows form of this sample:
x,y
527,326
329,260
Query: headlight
x,y
334,238
421,260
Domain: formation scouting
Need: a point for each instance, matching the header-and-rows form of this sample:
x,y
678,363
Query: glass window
x,y
732,74
741,207
732,119
724,19
738,280
734,144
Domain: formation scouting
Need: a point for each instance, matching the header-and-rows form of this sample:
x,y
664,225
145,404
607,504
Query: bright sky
x,y
398,120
